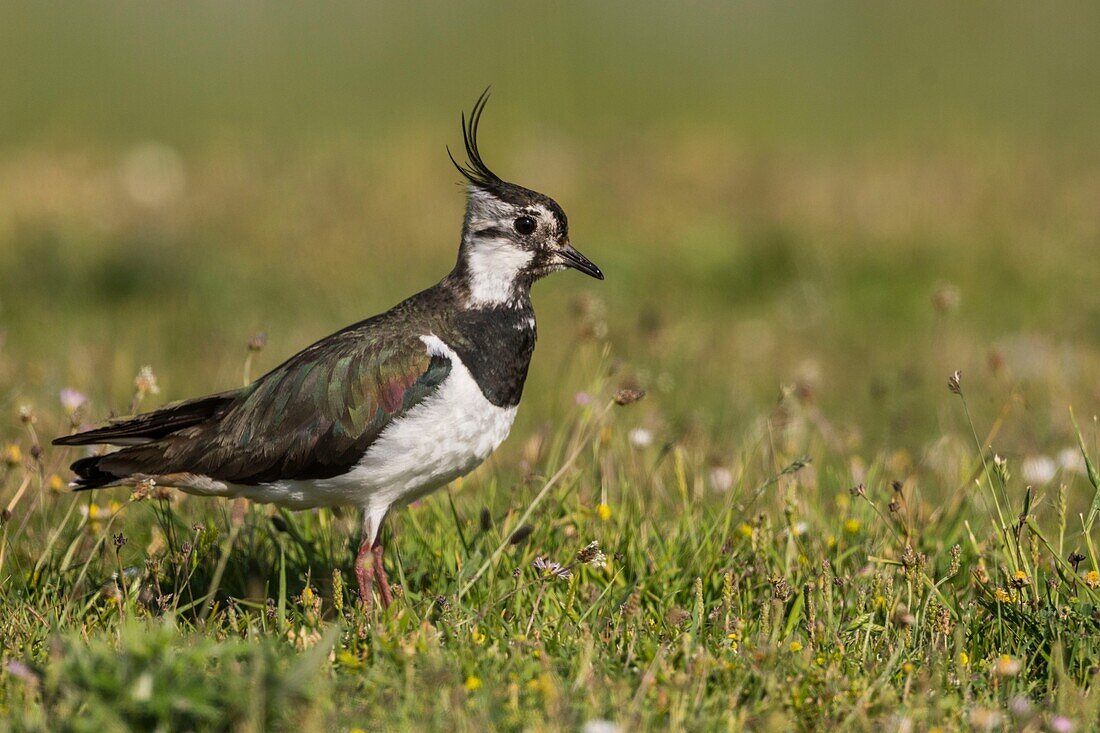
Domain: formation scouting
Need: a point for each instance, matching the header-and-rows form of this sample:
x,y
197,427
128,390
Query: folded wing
x,y
312,417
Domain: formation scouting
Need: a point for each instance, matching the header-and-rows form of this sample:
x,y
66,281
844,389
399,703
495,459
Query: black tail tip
x,y
90,475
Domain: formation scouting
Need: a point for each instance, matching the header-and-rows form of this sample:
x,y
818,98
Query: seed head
x,y
521,534
628,396
954,382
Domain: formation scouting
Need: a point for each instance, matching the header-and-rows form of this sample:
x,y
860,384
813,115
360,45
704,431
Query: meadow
x,y
856,281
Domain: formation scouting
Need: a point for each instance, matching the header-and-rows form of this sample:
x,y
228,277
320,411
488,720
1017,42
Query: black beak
x,y
577,261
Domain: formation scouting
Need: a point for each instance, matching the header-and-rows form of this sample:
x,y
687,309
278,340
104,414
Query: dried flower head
x,y
628,396
781,589
954,382
258,341
592,555
146,382
946,298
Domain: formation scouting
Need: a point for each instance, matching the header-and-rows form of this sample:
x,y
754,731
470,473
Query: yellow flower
x,y
603,511
852,526
55,483
745,529
12,455
964,659
1092,579
796,646
477,636
473,683
1002,595
907,668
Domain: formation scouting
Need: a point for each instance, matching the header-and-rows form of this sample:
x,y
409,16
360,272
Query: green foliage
x,y
650,589
154,676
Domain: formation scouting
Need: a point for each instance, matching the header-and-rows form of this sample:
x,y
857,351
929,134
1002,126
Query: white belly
x,y
446,436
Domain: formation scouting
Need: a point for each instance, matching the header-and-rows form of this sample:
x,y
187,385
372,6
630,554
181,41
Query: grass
x,y
597,578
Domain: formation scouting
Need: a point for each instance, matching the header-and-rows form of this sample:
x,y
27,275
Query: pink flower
x,y
71,400
1061,724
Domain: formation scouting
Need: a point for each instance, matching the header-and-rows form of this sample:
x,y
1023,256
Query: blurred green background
x,y
838,202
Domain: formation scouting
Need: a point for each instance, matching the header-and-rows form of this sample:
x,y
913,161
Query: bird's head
x,y
512,235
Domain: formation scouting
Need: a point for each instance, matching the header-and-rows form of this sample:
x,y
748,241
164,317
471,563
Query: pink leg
x,y
364,572
379,572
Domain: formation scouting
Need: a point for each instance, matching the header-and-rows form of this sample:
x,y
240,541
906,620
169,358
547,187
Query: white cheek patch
x,y
494,265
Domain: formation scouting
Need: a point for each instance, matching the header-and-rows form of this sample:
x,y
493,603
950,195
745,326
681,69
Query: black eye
x,y
524,225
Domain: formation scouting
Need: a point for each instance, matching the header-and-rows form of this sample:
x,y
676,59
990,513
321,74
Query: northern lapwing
x,y
384,411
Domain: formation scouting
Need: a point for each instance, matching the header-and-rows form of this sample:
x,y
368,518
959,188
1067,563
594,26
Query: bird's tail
x,y
90,475
142,436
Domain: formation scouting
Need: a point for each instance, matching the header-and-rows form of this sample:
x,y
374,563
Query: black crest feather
x,y
475,170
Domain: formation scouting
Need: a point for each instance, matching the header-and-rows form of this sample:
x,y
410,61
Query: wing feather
x,y
314,416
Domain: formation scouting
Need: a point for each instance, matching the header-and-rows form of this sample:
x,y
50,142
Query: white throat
x,y
493,266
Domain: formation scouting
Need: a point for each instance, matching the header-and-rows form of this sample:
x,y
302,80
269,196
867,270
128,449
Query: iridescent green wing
x,y
317,414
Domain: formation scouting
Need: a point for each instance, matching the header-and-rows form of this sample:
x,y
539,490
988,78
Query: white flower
x,y
600,726
549,568
1038,470
1070,459
721,479
641,438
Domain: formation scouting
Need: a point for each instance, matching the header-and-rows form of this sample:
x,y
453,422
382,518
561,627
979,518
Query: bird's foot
x,y
370,571
379,573
364,573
